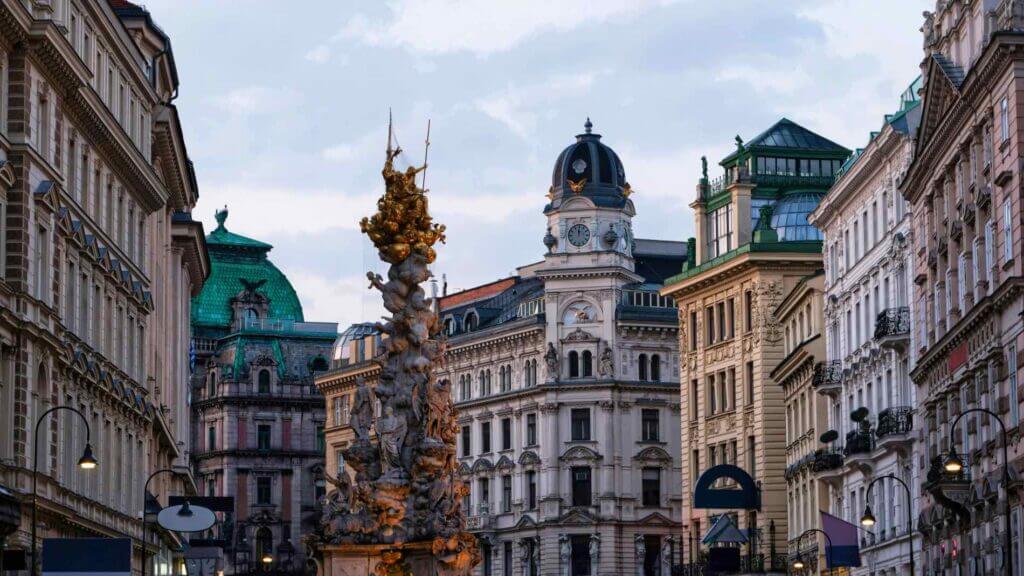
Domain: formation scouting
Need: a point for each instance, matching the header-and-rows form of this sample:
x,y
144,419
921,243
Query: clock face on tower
x,y
579,235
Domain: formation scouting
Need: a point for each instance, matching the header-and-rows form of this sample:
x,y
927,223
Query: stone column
x,y
550,486
741,213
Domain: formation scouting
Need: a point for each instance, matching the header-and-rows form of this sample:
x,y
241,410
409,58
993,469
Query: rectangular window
x,y
531,429
580,424
336,409
1007,231
485,437
752,456
531,490
581,490
749,377
467,436
693,399
1004,119
990,233
748,310
693,331
651,489
720,312
730,313
263,436
506,433
506,493
321,439
709,391
732,387
1011,354
263,490
211,438
485,492
709,326
650,423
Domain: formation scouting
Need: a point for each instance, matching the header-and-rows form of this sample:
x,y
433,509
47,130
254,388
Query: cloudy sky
x,y
285,108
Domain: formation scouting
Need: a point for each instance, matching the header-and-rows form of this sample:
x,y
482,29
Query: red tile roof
x,y
478,293
116,4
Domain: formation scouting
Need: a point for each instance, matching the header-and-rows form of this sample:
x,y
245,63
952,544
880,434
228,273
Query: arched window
x,y
483,383
526,375
212,385
251,315
263,381
264,544
574,364
655,368
449,326
319,364
643,367
587,364
471,321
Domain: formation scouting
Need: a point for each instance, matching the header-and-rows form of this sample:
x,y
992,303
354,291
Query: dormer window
x,y
471,322
251,315
449,326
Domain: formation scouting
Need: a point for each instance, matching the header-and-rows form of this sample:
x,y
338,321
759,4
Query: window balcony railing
x,y
828,376
290,326
892,328
825,460
894,421
859,442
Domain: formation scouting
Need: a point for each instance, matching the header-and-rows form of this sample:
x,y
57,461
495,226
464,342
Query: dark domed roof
x,y
789,216
593,165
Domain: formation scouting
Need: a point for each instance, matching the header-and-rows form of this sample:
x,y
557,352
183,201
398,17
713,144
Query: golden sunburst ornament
x,y
626,190
577,187
551,193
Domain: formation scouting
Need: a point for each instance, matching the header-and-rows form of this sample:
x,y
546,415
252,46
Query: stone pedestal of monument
x,y
362,560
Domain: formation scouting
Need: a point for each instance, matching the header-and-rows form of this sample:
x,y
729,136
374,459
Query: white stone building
x,y
566,380
867,374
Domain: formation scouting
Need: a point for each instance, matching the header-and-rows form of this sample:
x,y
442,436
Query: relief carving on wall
x,y
767,296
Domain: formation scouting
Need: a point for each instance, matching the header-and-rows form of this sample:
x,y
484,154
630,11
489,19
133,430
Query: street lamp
x,y
799,564
868,519
954,465
145,490
86,462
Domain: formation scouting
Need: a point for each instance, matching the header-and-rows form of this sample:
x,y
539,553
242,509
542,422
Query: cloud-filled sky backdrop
x,y
285,109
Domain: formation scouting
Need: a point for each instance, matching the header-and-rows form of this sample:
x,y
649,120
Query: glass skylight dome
x,y
789,216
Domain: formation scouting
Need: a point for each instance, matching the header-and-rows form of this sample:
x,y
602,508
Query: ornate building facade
x,y
866,224
801,316
753,246
258,420
98,260
565,379
964,190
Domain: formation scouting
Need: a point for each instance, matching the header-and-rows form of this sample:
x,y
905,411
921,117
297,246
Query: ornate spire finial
x,y
221,216
588,125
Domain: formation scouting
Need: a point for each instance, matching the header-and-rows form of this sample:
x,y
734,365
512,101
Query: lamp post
x,y
868,519
86,462
954,465
799,564
145,490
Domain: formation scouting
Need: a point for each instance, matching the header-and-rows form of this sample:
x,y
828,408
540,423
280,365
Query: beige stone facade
x,y
99,258
802,319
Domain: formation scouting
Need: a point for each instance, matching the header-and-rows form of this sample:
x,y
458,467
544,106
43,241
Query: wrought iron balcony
x,y
859,442
828,377
892,328
825,460
893,421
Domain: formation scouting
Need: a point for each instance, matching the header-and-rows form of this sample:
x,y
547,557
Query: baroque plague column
x,y
403,514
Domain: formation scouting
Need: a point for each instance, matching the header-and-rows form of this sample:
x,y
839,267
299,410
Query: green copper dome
x,y
234,258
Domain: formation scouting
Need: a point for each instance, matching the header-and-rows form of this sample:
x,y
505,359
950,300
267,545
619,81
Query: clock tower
x,y
590,247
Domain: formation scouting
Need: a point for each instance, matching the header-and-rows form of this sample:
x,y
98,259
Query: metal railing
x,y
859,443
827,374
279,325
825,460
893,322
896,420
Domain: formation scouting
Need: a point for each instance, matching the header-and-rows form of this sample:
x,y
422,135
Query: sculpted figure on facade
x,y
564,555
551,360
767,296
606,367
640,548
595,551
407,489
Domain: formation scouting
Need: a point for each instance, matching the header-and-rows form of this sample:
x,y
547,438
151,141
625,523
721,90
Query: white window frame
x,y
1011,363
1004,119
1007,231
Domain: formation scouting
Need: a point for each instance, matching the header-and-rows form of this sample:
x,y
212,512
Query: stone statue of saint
x,y
524,557
640,545
362,410
551,359
607,364
704,167
391,431
595,550
666,555
564,554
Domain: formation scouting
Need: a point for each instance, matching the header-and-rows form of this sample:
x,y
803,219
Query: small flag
x,y
844,550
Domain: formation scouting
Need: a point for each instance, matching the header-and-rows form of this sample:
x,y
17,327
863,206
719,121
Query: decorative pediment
x,y
464,469
264,517
526,521
580,453
653,454
45,194
529,457
504,463
265,360
482,465
580,335
941,93
655,519
6,174
577,517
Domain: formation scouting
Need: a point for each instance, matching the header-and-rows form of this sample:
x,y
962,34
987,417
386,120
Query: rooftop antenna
x,y
426,150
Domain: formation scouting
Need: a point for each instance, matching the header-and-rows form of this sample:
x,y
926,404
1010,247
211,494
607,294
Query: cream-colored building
x,y
867,230
98,260
753,247
802,319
